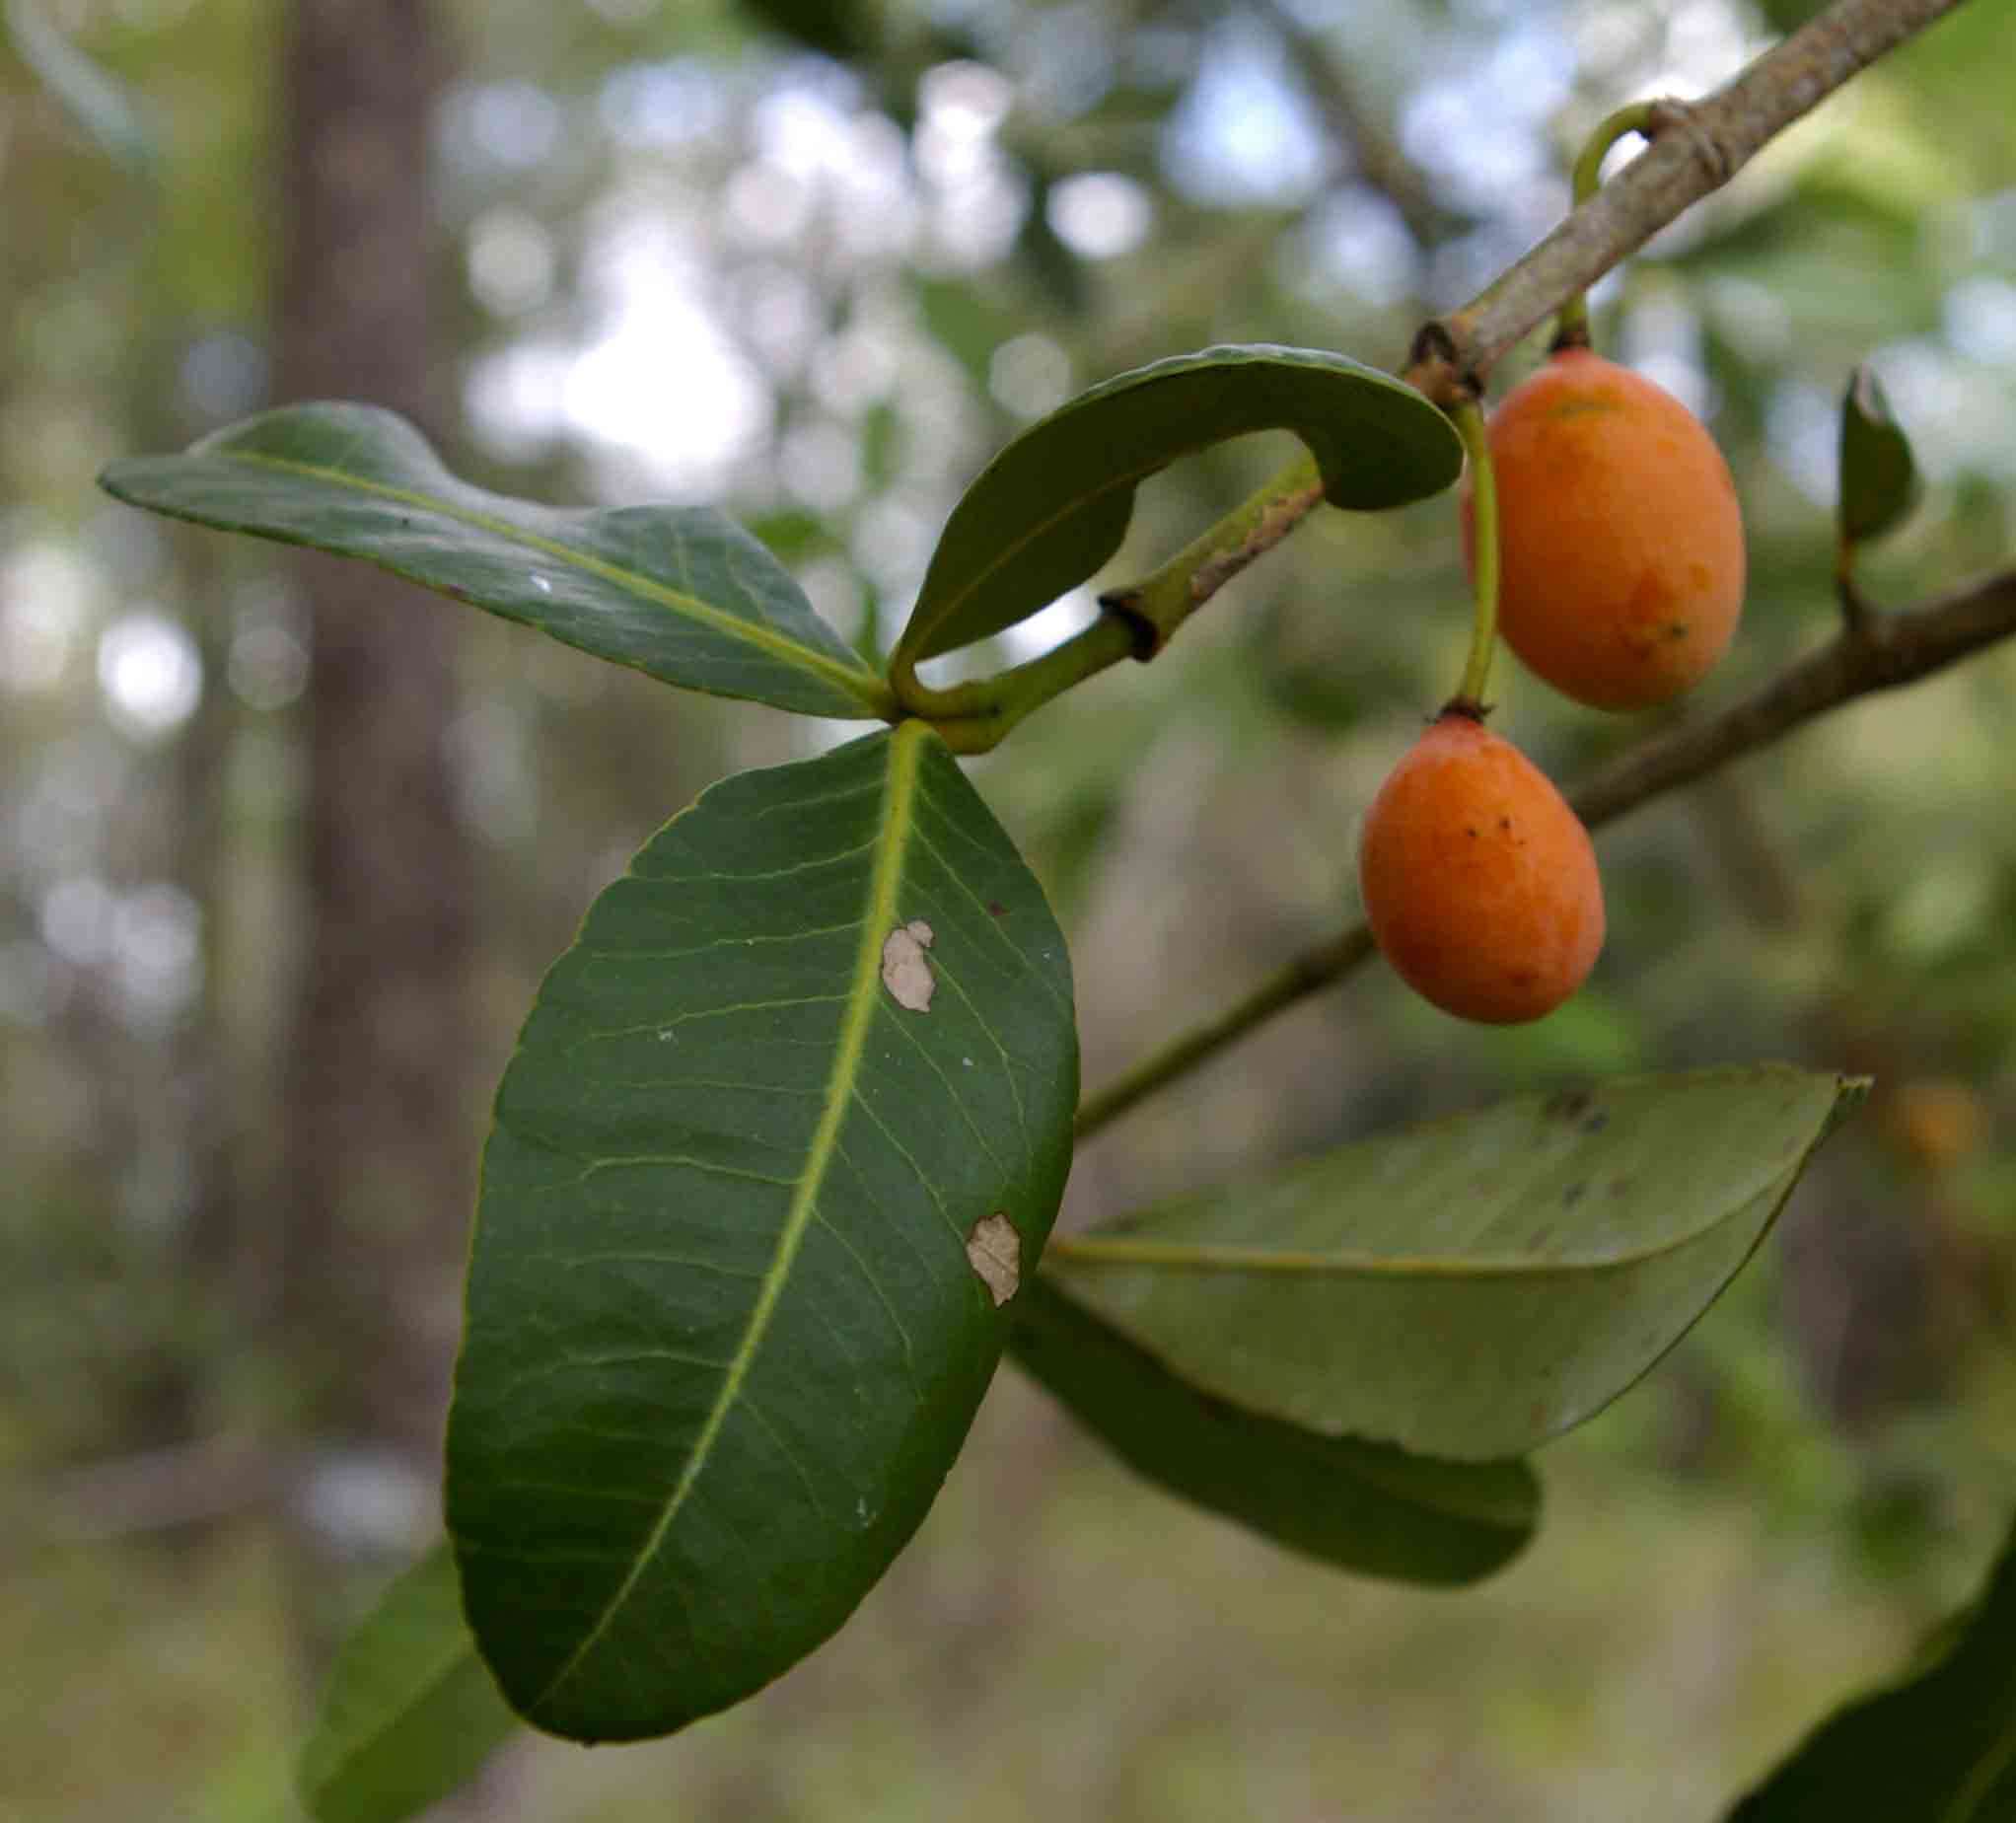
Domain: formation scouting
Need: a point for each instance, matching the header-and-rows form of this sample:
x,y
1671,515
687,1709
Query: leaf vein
x,y
859,682
903,763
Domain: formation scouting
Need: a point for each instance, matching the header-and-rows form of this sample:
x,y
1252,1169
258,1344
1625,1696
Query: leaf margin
x,y
926,634
1088,1253
1434,1524
153,483
323,1768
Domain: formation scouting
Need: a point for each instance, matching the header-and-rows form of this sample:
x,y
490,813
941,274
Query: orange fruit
x,y
1479,882
1621,541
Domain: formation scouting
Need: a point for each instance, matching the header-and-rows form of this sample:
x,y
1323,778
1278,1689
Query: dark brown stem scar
x,y
1124,604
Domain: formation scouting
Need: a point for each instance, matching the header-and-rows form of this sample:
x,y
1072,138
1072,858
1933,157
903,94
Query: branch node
x,y
1670,115
1124,606
1436,368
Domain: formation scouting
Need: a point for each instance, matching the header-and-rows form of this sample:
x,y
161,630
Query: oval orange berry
x,y
1621,541
1479,881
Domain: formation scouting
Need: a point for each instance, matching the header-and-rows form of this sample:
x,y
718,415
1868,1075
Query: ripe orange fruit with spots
x,y
1479,881
1621,541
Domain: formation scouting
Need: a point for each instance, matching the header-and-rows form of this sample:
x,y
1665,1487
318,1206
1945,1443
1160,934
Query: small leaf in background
x,y
1472,1287
835,28
727,1328
1879,476
1054,505
1938,1745
97,102
684,595
1362,1506
410,1712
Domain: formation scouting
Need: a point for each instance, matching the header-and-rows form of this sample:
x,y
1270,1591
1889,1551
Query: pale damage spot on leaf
x,y
994,1251
904,971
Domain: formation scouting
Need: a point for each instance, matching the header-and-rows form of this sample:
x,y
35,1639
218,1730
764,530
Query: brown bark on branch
x,y
1884,653
1381,161
1699,147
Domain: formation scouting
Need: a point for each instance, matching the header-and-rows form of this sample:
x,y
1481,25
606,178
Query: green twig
x,y
1160,602
972,719
1571,327
1314,969
1136,621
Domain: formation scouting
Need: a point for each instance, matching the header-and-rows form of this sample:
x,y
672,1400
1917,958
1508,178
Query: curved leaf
x,y
1472,1287
1940,1744
1879,474
783,1129
681,593
1363,1507
409,1713
1054,505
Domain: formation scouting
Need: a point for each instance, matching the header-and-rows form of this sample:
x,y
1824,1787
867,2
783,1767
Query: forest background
x,y
260,966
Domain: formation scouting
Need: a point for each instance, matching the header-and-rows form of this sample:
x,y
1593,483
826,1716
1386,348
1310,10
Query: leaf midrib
x,y
429,1684
861,684
1095,1252
878,916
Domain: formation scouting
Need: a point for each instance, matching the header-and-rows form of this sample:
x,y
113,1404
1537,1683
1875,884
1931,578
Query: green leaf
x,y
1363,1507
1879,476
830,26
680,594
97,102
1938,1745
409,1713
774,1121
1472,1287
1054,505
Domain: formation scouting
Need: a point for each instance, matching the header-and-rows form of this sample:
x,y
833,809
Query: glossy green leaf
x,y
1363,1507
95,99
409,1713
1054,505
1879,475
1472,1287
1939,1744
681,593
776,1127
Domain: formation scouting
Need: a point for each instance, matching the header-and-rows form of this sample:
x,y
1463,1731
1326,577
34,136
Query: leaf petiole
x,y
974,718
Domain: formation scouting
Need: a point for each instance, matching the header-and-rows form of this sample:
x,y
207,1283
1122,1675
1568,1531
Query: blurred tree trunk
x,y
377,1140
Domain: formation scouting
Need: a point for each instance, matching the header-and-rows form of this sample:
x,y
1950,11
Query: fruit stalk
x,y
1896,651
1709,144
1571,327
1484,635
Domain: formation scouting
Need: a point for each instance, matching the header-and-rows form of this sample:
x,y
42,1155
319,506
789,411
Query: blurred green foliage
x,y
686,257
